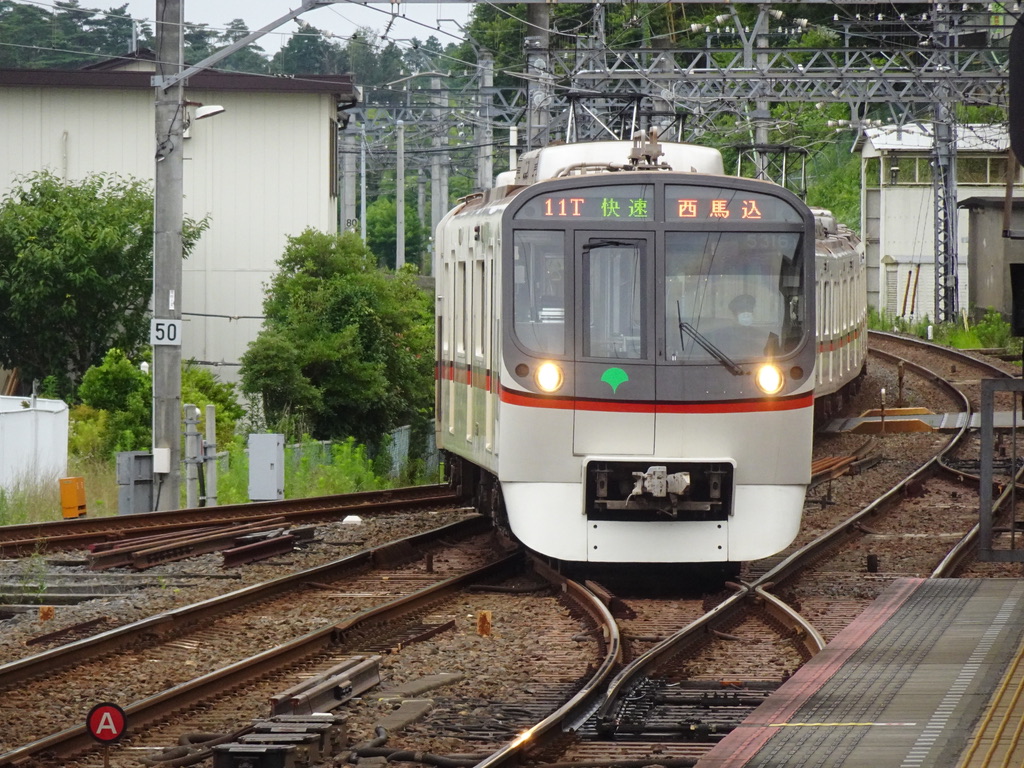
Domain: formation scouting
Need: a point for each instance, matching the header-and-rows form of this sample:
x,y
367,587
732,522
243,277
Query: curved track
x,y
647,702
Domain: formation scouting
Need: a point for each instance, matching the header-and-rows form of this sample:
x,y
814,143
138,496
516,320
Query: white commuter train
x,y
630,347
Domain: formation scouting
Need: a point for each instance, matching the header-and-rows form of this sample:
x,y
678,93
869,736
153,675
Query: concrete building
x,y
263,170
994,260
897,210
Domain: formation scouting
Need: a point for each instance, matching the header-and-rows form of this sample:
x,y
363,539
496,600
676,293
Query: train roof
x,y
597,156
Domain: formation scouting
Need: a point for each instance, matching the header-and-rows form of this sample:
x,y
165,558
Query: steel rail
x,y
578,708
174,620
83,531
964,548
794,562
758,590
67,742
807,633
783,570
938,349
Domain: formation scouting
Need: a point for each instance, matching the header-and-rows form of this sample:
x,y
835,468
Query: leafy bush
x,y
117,405
346,349
991,332
312,468
200,387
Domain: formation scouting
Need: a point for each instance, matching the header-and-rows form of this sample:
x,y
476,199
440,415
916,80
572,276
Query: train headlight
x,y
549,377
769,379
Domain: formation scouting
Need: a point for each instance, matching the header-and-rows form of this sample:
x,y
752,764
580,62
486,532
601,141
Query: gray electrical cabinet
x,y
134,482
266,467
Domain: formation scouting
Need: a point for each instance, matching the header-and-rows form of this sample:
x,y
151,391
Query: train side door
x,y
614,372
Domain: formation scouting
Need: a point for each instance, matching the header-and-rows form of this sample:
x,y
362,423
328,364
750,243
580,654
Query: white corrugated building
x,y
263,170
33,441
897,209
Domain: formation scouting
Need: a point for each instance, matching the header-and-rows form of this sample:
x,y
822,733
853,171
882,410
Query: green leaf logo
x,y
613,377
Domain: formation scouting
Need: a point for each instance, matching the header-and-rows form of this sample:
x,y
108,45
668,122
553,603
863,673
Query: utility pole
x,y
400,199
168,214
362,181
761,114
485,131
165,333
438,199
348,182
944,185
540,81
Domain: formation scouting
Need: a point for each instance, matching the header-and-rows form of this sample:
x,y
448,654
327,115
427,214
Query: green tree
x,y
372,63
382,233
347,349
76,271
117,405
310,53
22,27
201,387
116,409
200,41
112,32
70,22
251,58
67,37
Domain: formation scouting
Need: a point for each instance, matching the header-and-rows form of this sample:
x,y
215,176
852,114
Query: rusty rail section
x,y
79,533
240,543
115,639
831,467
73,740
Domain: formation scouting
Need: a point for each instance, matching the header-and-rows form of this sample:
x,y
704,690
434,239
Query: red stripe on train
x,y
530,400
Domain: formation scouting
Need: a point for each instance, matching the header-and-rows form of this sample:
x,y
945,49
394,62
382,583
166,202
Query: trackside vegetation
x,y
345,356
991,332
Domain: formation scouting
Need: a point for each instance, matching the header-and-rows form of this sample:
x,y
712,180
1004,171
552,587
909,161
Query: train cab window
x,y
614,302
739,292
539,291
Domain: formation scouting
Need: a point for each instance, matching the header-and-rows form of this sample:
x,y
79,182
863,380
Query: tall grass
x,y
315,469
311,469
991,332
37,501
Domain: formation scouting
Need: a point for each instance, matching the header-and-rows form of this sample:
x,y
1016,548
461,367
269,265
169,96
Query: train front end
x,y
657,367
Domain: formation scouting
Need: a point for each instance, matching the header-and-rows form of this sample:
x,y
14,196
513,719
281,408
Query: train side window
x,y
480,308
539,290
446,298
461,300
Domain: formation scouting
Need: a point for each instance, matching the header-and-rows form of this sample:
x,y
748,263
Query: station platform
x,y
929,676
902,420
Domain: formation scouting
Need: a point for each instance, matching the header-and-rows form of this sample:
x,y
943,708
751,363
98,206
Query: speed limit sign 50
x,y
165,332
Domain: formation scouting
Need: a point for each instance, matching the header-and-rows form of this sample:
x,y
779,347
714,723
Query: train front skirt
x,y
548,517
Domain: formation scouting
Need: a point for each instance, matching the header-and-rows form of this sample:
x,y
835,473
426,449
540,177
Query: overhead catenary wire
x,y
52,6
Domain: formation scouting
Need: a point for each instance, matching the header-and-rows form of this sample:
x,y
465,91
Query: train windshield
x,y
738,291
538,297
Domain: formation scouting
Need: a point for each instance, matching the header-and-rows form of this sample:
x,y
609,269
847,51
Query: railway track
x,y
139,661
680,696
79,533
692,664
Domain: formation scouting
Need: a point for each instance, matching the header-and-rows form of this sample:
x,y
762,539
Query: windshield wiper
x,y
605,243
706,345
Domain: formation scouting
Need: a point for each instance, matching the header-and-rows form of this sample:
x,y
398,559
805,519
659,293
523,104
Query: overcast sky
x,y
419,20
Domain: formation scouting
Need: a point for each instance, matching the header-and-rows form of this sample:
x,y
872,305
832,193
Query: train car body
x,y
629,347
